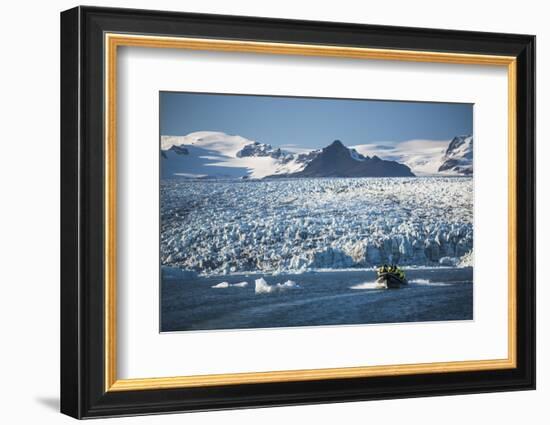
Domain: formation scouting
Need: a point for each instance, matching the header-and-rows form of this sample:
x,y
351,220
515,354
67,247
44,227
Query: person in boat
x,y
400,273
393,269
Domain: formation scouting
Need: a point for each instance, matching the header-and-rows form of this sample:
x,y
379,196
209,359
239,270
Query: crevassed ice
x,y
292,225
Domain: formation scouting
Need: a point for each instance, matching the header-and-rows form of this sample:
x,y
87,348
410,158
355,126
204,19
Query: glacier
x,y
224,227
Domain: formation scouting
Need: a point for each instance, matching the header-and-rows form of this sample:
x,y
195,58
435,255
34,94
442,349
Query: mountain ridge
x,y
214,154
458,158
336,160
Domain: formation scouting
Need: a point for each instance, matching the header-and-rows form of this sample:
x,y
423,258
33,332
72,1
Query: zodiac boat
x,y
388,280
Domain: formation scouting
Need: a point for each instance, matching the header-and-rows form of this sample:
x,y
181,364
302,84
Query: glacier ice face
x,y
467,260
449,261
295,225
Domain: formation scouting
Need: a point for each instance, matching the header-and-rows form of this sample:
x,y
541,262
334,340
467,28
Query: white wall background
x,y
29,209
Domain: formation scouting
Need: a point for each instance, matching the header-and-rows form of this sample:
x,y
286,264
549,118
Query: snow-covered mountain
x,y
215,154
427,157
458,158
209,154
218,155
338,161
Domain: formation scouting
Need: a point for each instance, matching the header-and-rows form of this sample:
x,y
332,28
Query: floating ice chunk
x,y
230,285
288,284
262,287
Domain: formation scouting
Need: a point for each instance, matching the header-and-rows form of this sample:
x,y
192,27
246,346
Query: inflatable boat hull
x,y
389,281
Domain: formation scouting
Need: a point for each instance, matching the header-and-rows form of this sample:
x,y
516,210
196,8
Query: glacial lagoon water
x,y
341,297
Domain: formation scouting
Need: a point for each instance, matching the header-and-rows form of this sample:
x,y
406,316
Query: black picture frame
x,y
83,392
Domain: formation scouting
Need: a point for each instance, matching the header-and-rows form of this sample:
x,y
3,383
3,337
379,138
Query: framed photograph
x,y
261,212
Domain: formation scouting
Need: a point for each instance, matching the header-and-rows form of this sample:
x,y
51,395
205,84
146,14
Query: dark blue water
x,y
324,298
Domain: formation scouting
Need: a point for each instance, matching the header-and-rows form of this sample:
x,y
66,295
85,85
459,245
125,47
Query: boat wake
x,y
420,281
412,282
426,282
364,285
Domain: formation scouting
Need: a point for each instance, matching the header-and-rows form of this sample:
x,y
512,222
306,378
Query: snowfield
x,y
215,154
424,157
427,157
294,225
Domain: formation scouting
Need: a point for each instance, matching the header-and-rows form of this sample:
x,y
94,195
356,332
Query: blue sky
x,y
312,122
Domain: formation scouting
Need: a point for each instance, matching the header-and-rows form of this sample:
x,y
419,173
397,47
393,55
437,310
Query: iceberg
x,y
262,287
222,285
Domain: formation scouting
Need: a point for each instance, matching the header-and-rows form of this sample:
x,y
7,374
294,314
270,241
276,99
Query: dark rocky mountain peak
x,y
336,160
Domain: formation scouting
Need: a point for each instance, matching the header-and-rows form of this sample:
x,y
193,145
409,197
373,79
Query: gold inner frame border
x,y
111,43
